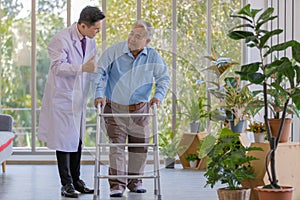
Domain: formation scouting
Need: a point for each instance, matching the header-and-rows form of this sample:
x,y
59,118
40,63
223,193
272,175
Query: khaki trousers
x,y
127,130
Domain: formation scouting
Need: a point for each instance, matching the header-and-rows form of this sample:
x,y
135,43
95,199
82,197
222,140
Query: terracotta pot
x,y
274,194
239,194
286,129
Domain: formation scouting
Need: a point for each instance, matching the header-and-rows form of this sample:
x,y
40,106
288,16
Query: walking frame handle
x,y
99,107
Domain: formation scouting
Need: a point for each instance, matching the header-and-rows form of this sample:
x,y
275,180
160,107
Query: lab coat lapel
x,y
76,42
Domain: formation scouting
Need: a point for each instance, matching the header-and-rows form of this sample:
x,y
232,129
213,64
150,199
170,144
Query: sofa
x,y
6,139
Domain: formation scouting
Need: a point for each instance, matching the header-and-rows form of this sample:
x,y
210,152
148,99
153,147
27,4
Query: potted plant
x,y
276,101
229,164
281,74
169,146
219,68
195,109
258,129
192,159
236,103
234,97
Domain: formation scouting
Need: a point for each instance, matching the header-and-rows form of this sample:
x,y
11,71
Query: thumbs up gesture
x,y
90,65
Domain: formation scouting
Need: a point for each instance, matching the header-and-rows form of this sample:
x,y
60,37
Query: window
x,y
181,37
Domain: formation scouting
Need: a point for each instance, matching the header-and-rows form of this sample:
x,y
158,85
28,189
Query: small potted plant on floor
x,y
193,160
258,129
169,146
229,164
271,73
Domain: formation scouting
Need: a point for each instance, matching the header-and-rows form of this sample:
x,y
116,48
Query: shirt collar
x,y
126,49
78,33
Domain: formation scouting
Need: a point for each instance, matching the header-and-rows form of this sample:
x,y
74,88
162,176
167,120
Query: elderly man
x,y
127,71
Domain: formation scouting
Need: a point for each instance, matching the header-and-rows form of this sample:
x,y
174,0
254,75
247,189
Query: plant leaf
x,y
242,26
296,98
257,27
266,14
237,35
297,69
245,11
268,35
296,51
281,47
254,12
242,17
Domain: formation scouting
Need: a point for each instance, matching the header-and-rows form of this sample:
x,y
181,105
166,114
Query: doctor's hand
x,y
90,65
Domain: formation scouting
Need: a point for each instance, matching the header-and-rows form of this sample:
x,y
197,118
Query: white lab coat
x,y
62,116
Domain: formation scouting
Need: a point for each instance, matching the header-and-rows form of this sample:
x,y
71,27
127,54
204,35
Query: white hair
x,y
147,26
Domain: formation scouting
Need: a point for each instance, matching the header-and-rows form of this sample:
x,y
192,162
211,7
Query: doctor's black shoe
x,y
81,187
68,190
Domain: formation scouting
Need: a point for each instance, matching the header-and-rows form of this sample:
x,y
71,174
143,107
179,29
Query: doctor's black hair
x,y
90,15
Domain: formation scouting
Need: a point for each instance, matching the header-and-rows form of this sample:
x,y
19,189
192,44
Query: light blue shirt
x,y
127,80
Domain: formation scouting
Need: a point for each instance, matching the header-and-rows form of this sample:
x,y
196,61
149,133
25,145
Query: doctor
x,y
62,118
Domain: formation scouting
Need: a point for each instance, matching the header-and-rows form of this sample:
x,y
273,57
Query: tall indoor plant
x,y
281,74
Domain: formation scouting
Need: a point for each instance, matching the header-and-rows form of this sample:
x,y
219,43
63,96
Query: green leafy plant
x,y
234,97
237,99
257,127
219,67
228,161
195,108
279,76
192,157
168,144
276,100
206,145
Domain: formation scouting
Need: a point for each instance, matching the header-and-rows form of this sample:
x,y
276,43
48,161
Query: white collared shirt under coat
x,y
62,116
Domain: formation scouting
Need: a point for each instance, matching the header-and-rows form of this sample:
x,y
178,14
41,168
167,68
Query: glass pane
x,y
119,18
191,47
159,14
78,5
221,23
15,43
15,78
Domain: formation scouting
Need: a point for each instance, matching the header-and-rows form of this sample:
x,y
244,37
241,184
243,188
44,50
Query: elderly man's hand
x,y
97,101
154,100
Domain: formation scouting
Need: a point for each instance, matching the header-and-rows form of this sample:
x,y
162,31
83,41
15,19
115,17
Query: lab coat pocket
x,y
63,100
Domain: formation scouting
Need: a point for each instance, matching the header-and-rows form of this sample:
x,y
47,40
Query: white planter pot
x,y
193,164
259,137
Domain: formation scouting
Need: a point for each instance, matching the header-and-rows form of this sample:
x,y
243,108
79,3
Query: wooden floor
x,y
41,182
